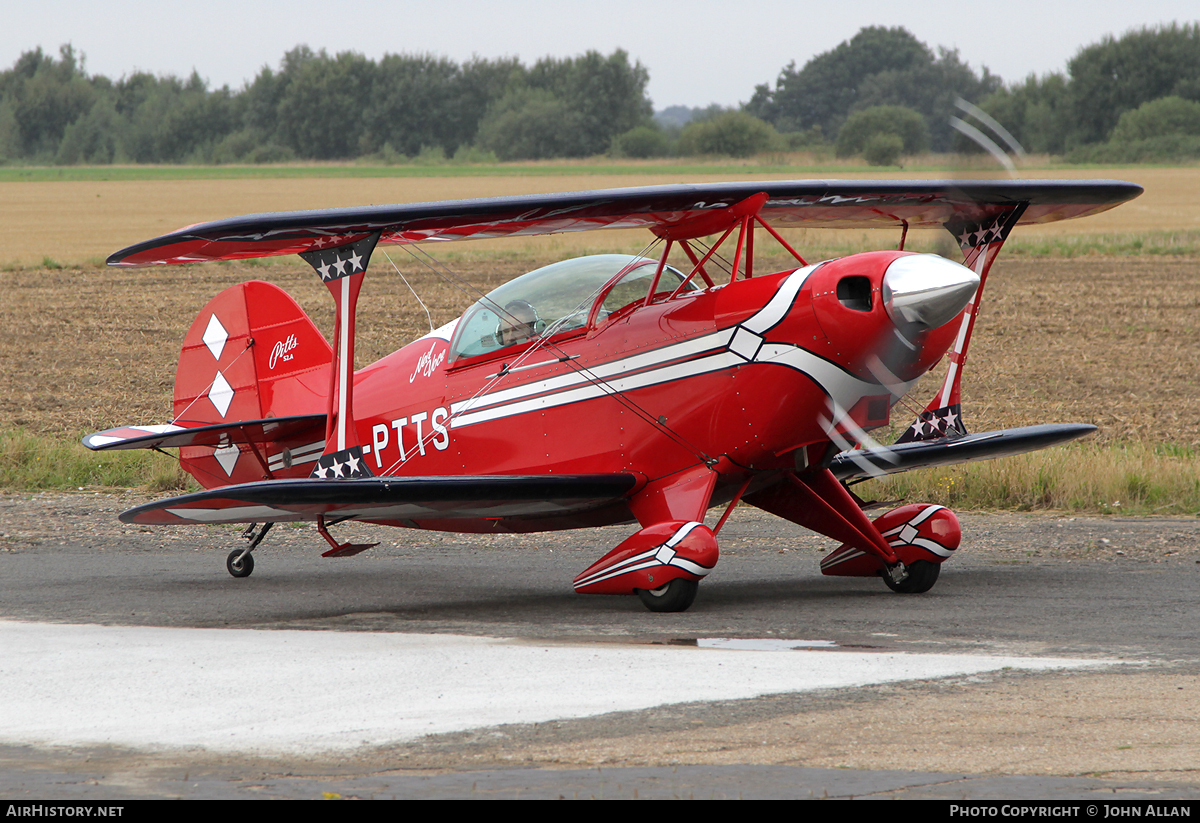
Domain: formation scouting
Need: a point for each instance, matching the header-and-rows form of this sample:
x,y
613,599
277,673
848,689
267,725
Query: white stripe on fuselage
x,y
689,358
780,303
717,361
843,387
709,343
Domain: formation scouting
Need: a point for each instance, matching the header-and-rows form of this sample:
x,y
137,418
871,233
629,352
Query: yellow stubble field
x,y
78,223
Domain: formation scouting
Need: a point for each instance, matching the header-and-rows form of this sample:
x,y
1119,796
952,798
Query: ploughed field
x,y
1109,341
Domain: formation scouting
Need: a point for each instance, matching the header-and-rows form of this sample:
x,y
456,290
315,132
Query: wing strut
x,y
342,269
740,215
980,239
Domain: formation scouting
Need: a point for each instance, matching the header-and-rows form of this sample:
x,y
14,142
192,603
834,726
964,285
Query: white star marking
x,y
337,468
352,462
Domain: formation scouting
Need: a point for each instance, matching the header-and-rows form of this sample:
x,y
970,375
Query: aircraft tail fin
x,y
251,354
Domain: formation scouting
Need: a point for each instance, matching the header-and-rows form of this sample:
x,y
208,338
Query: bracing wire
x,y
540,343
204,393
428,316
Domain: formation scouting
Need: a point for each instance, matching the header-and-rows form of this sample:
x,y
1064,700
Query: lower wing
x,y
857,464
391,498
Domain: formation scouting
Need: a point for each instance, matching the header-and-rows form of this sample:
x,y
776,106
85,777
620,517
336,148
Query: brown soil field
x,y
1110,341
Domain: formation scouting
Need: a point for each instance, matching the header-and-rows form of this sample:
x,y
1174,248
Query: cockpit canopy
x,y
559,298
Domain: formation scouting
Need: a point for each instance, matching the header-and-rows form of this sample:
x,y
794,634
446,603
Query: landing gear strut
x,y
240,562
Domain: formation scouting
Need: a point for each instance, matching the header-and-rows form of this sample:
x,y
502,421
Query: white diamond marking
x,y
221,393
664,555
215,337
745,343
228,456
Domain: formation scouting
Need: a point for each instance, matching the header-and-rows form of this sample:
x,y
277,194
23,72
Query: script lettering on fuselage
x,y
428,363
425,429
281,349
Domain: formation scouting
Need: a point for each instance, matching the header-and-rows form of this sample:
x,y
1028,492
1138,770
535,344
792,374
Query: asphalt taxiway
x,y
1056,659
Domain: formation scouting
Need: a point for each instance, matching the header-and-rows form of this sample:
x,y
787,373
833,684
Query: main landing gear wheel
x,y
676,596
239,566
921,576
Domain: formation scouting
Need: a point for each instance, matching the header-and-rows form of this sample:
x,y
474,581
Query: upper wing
x,y
802,203
391,498
856,464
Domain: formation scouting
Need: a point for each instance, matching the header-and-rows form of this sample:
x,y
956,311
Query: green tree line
x,y
1126,99
877,67
882,94
1129,98
321,107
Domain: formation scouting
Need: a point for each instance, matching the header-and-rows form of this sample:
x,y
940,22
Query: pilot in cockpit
x,y
519,323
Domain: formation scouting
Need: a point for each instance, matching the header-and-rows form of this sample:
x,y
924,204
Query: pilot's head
x,y
518,324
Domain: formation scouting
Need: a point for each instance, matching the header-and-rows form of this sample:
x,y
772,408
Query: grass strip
x,y
30,462
797,164
52,174
1183,243
1117,479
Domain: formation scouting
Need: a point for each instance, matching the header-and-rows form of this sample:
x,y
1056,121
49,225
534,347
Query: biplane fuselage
x,y
739,374
605,389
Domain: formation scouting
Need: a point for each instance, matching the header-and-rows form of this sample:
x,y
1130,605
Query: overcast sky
x,y
698,52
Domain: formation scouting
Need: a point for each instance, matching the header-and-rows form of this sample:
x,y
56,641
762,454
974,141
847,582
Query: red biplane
x,y
604,389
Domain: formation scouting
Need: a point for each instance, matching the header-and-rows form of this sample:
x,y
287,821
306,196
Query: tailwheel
x,y
675,596
920,577
240,563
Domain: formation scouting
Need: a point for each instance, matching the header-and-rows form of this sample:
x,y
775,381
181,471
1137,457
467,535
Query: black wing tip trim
x,y
949,450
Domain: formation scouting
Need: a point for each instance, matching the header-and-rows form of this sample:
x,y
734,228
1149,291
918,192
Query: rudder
x,y
251,353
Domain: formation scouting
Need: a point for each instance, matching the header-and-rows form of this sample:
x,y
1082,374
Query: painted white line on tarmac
x,y
304,692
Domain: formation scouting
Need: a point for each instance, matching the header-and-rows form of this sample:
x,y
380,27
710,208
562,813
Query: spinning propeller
x,y
920,293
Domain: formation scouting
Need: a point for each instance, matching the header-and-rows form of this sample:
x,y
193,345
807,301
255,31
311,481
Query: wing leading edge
x,y
391,498
857,464
801,203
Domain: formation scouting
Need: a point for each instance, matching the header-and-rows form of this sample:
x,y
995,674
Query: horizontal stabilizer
x,y
177,435
857,464
390,498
